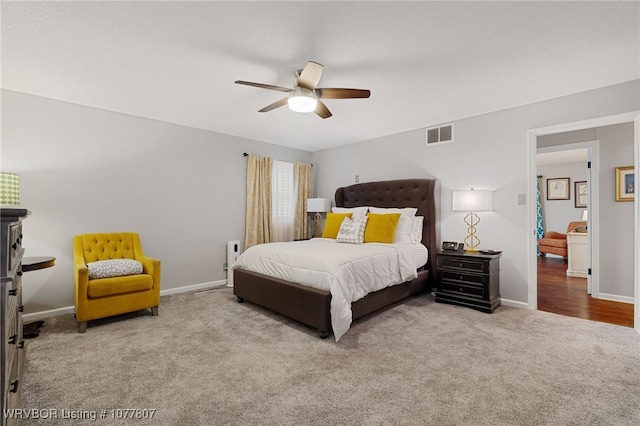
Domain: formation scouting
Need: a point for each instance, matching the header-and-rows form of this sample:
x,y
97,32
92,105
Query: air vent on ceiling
x,y
440,134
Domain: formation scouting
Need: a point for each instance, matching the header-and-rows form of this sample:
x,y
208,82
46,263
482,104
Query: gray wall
x,y
86,170
616,218
489,152
183,189
558,213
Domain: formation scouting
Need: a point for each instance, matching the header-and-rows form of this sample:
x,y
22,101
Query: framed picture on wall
x,y
625,183
581,194
558,188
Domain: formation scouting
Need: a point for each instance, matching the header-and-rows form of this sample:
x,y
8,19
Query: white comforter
x,y
348,271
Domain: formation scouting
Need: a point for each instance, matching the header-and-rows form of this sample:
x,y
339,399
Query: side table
x,y
470,279
32,329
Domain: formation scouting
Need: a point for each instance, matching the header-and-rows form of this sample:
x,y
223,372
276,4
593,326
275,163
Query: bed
x,y
312,306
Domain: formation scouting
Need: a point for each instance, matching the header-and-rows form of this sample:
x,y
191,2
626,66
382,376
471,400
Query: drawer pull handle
x,y
461,291
13,292
13,339
461,278
14,387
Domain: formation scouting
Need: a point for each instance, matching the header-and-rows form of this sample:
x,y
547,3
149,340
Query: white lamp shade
x,y
472,200
318,205
585,215
302,100
302,104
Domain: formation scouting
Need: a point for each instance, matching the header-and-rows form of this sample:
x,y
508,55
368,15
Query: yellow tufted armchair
x,y
103,297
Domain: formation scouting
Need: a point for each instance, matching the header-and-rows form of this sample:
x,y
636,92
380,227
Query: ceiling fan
x,y
305,96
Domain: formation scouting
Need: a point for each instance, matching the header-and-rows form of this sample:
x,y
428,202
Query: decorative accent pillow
x,y
352,231
381,228
407,211
332,224
357,212
113,268
416,229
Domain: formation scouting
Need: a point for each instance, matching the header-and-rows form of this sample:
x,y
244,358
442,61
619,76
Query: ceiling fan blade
x,y
276,104
335,93
322,110
264,86
310,75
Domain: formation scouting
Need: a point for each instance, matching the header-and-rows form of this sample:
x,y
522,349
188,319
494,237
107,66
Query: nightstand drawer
x,y
466,264
463,288
463,278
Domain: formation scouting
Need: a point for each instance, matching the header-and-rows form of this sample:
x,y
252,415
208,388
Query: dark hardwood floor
x,y
568,296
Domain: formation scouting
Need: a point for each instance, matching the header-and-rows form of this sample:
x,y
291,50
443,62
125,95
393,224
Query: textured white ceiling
x,y
426,63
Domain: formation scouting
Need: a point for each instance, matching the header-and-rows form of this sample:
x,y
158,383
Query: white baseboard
x,y
615,298
514,303
194,287
35,316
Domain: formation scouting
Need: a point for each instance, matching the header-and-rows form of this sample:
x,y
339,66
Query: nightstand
x,y
470,279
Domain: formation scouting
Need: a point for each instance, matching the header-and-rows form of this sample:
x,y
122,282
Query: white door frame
x,y
593,237
532,136
636,276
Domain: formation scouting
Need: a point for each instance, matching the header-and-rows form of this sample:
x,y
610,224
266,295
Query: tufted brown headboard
x,y
424,194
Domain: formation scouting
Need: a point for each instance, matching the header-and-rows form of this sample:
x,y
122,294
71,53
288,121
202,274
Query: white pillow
x,y
407,211
416,229
403,230
113,268
352,231
357,213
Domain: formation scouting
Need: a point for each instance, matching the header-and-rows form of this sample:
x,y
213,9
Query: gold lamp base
x,y
318,218
471,241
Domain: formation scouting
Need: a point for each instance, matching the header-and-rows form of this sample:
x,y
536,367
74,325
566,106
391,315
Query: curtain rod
x,y
244,154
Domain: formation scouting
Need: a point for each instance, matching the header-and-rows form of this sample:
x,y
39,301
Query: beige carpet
x,y
208,360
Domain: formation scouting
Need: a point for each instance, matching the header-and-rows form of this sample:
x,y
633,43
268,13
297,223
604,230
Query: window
x,y
283,205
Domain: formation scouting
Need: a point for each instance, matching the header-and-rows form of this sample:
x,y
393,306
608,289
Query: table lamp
x,y
472,201
318,206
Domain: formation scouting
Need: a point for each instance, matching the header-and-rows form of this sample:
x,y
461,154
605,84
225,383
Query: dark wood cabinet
x,y
469,279
12,350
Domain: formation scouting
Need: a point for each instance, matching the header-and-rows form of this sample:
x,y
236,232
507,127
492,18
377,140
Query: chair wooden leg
x,y
82,327
154,311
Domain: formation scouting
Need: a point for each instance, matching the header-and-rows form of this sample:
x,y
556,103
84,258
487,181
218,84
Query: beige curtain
x,y
258,218
302,180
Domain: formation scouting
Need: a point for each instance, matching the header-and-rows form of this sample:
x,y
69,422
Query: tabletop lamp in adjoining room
x,y
318,206
9,189
472,201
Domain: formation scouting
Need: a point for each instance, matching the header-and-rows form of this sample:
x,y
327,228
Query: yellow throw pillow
x,y
381,228
332,224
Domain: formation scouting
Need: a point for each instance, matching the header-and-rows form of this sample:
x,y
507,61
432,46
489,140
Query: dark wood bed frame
x,y
311,306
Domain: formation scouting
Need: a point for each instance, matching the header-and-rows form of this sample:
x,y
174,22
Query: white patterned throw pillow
x,y
352,231
113,268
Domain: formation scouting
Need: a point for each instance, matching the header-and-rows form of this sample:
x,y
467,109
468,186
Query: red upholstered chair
x,y
556,242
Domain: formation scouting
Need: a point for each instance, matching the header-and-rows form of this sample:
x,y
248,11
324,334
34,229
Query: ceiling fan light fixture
x,y
302,100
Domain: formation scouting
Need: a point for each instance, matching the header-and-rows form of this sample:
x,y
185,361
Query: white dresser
x,y
578,254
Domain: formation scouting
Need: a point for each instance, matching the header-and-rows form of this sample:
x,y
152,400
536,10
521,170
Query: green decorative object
x,y
9,189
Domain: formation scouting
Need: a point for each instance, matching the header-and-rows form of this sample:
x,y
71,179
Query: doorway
x,y
565,284
533,134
